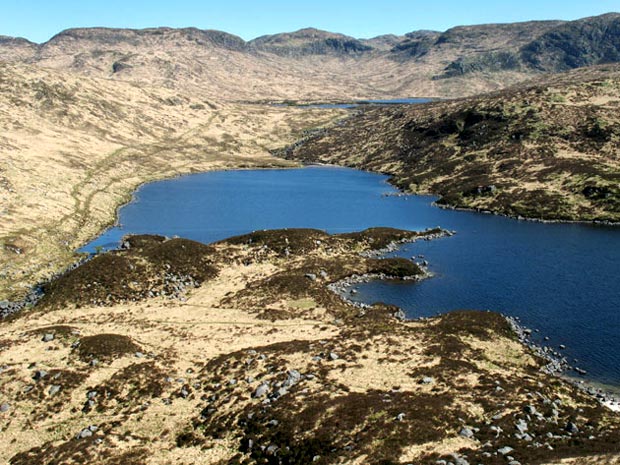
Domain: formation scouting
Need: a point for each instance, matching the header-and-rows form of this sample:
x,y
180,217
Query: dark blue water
x,y
559,278
398,101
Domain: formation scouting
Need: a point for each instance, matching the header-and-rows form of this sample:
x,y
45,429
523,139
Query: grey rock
x,y
571,428
427,380
333,356
311,276
530,410
466,433
521,426
294,377
88,406
4,408
85,433
39,374
53,390
261,391
505,450
400,417
48,337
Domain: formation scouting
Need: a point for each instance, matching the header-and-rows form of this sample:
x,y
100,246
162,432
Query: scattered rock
x,y
294,376
427,380
521,426
87,432
261,391
53,390
39,374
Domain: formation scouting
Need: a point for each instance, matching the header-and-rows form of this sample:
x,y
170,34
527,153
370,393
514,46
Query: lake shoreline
x,y
557,365
264,330
404,192
376,253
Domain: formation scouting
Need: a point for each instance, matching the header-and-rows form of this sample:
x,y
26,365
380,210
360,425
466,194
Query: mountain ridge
x,y
311,64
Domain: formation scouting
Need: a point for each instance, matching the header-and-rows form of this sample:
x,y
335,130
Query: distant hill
x,y
310,42
311,64
576,44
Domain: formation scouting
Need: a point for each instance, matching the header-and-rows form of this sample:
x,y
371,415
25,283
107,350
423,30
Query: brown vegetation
x,y
210,380
544,149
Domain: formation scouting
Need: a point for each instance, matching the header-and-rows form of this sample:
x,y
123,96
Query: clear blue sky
x,y
38,20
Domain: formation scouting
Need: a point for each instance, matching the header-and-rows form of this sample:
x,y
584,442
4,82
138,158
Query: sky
x,y
38,20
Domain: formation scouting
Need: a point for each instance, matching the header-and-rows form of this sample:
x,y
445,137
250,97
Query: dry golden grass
x,y
187,396
75,148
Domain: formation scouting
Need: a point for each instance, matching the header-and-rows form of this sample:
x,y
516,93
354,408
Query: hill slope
x,y
74,148
260,364
546,149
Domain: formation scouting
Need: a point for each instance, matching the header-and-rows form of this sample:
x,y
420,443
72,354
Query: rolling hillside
x,y
546,149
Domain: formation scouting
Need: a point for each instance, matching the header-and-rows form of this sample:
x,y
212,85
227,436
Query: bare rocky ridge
x,y
316,65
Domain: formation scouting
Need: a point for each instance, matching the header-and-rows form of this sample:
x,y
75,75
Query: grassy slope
x,y
255,317
75,148
544,149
